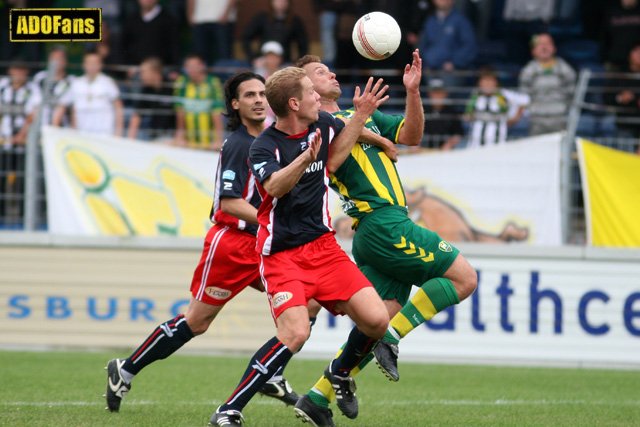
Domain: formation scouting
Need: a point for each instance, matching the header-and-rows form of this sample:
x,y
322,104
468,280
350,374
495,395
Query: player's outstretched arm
x,y
365,104
413,127
282,181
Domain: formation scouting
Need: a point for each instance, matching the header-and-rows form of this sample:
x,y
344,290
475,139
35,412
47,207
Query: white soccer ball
x,y
376,36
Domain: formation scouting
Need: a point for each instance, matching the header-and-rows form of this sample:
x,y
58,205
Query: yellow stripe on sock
x,y
423,303
401,324
323,387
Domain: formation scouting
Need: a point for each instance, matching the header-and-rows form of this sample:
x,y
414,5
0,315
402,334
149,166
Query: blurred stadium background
x,y
100,232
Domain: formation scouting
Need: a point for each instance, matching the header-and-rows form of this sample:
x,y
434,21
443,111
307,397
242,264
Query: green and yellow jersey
x,y
368,179
199,102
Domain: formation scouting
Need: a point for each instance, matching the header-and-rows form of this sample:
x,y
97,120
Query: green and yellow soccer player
x,y
390,249
199,108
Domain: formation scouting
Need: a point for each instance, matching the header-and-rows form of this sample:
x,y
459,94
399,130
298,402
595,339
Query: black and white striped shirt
x,y
15,106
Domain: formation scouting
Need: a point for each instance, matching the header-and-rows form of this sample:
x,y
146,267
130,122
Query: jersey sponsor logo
x,y
280,298
445,246
315,167
229,174
257,166
260,367
217,293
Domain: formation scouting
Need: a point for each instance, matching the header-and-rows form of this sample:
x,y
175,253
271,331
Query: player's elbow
x,y
332,165
226,206
410,140
273,189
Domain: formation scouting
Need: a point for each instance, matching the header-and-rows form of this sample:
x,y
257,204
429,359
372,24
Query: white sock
x,y
275,379
126,376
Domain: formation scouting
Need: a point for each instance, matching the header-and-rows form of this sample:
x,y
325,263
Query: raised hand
x,y
371,98
413,73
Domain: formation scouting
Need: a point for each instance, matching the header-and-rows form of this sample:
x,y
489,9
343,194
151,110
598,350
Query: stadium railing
x,y
591,117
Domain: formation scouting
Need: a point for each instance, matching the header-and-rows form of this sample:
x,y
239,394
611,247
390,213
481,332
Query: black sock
x,y
163,342
271,358
358,345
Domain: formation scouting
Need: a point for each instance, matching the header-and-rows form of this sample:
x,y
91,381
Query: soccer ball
x,y
376,36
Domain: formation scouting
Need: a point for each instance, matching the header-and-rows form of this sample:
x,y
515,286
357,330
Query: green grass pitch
x,y
65,389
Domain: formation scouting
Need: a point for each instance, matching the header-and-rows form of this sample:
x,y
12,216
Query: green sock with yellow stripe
x,y
433,296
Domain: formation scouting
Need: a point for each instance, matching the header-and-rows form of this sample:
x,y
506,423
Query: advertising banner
x,y
103,185
537,306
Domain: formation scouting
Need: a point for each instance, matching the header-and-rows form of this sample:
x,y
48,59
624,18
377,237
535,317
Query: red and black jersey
x,y
235,180
302,215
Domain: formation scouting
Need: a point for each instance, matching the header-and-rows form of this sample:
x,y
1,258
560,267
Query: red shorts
x,y
229,263
319,269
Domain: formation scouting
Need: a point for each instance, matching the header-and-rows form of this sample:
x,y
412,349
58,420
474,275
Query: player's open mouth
x,y
258,110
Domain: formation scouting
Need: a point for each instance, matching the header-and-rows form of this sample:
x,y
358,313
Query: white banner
x,y
494,194
102,185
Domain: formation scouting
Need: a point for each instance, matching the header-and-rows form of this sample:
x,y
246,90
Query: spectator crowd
x,y
157,74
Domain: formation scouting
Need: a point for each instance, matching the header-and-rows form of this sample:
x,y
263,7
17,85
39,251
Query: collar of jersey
x,y
299,135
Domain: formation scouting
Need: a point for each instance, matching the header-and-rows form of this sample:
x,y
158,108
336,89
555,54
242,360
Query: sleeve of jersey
x,y
388,124
233,169
263,159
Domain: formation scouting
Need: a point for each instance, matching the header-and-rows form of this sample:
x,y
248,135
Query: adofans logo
x,y
55,25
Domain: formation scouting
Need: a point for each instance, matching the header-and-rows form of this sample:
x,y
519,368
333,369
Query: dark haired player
x,y
300,258
229,261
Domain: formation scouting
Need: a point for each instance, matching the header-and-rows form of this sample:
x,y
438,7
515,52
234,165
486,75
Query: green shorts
x,y
395,253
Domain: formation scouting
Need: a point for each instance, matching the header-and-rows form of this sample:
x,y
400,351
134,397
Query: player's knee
x,y
468,282
376,325
295,337
198,325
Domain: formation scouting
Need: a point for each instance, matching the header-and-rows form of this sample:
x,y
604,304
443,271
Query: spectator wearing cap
x,y
550,82
19,100
448,41
279,24
267,64
443,126
271,59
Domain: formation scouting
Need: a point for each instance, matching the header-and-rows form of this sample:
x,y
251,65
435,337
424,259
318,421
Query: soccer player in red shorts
x,y
300,258
229,261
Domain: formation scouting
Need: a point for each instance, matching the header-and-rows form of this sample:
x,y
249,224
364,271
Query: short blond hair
x,y
282,86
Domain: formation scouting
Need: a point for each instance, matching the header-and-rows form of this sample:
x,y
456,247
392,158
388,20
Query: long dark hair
x,y
231,93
